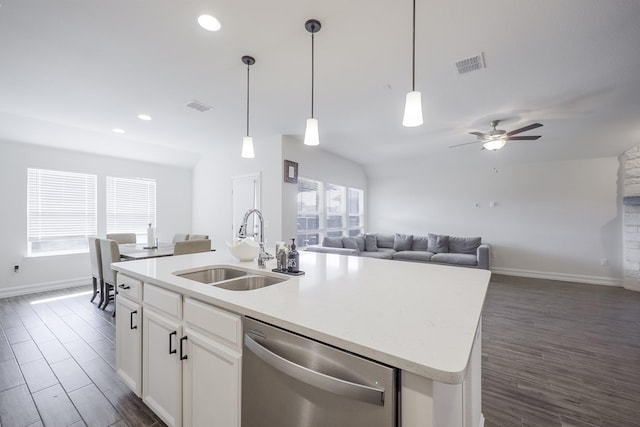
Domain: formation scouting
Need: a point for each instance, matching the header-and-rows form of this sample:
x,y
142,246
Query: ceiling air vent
x,y
197,105
470,64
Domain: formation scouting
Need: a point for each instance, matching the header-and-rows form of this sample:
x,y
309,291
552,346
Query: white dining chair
x,y
110,253
121,238
96,268
197,236
192,246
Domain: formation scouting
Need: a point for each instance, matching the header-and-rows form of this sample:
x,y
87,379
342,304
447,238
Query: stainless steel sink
x,y
213,275
248,283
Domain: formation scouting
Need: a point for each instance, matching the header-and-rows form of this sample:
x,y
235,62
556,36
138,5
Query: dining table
x,y
134,251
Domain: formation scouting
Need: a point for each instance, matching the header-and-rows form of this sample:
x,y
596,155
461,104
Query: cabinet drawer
x,y
221,325
130,287
162,299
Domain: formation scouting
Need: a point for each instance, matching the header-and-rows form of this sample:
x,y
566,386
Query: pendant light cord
x,y
413,52
312,71
248,99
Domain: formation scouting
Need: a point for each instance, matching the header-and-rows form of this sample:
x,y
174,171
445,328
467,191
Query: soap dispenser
x,y
293,259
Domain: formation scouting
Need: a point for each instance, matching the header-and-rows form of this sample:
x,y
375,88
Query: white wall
x,y
173,211
551,220
315,163
212,199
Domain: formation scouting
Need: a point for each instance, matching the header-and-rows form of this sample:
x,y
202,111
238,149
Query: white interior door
x,y
246,196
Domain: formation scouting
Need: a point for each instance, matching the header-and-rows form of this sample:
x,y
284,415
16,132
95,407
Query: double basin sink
x,y
233,279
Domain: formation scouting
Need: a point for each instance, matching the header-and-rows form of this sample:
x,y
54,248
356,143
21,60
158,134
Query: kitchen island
x,y
422,319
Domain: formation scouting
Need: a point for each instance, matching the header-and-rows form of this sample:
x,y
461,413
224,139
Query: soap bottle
x,y
293,259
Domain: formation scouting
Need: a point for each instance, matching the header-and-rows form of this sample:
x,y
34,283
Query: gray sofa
x,y
434,248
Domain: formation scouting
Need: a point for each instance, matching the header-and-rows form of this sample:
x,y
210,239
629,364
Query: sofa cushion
x,y
370,243
420,243
402,242
438,243
459,259
328,250
354,243
332,242
413,256
385,240
378,255
464,245
387,250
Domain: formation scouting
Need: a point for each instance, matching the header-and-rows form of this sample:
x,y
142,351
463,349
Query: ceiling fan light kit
x,y
413,103
497,138
247,141
311,136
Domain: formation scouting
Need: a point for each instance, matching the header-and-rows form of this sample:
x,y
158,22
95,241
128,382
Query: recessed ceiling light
x,y
209,23
144,117
118,130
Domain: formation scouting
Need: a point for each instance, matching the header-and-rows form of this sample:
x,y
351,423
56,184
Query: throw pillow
x,y
332,242
420,243
402,242
359,241
385,240
350,243
438,243
370,243
464,245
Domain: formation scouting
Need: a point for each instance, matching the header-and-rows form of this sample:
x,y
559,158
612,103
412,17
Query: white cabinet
x,y
129,332
161,366
191,367
211,379
129,343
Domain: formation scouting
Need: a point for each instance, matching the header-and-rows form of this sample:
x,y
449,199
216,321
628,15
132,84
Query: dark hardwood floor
x,y
560,354
554,354
57,365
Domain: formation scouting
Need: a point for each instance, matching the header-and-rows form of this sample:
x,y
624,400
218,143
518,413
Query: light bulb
x,y
494,144
413,110
311,136
247,147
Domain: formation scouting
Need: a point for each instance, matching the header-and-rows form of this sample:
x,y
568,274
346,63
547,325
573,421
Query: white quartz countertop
x,y
417,317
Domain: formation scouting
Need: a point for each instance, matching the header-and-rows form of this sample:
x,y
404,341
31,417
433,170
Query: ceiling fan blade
x,y
480,134
523,138
466,143
524,129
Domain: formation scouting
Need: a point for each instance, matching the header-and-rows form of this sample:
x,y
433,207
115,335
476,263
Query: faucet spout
x,y
242,233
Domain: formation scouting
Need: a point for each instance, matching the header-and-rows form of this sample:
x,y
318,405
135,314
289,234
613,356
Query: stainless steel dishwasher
x,y
292,381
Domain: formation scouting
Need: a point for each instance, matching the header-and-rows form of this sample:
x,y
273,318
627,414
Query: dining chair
x,y
180,237
110,253
192,246
197,236
122,237
96,268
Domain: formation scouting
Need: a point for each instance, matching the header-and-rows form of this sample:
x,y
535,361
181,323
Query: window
x,y
328,210
61,211
309,201
131,205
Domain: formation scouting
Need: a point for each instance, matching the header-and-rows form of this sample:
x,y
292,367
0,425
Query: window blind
x,y
131,205
61,211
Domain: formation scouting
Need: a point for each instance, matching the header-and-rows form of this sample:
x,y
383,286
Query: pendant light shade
x,y
247,141
413,105
494,144
311,136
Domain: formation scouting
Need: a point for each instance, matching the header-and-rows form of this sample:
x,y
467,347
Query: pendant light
x,y
247,141
413,105
311,136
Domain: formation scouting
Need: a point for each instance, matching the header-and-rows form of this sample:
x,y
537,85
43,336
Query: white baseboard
x,y
481,424
592,280
42,287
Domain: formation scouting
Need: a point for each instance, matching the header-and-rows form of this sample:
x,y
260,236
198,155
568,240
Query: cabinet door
x,y
211,383
162,368
129,343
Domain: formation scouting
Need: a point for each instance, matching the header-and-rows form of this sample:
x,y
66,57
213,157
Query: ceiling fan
x,y
497,138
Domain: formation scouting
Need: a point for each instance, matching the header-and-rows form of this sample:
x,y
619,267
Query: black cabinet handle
x,y
182,355
170,335
123,286
131,319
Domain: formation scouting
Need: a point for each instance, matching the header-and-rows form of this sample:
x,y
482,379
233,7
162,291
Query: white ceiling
x,y
72,70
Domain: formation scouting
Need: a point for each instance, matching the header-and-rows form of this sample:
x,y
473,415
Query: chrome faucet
x,y
263,256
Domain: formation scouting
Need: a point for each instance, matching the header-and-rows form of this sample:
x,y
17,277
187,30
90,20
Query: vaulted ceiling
x,y
71,71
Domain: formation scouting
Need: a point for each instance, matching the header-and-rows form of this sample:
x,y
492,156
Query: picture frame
x,y
290,172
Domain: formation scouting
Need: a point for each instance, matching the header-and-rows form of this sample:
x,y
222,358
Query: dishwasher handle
x,y
316,379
